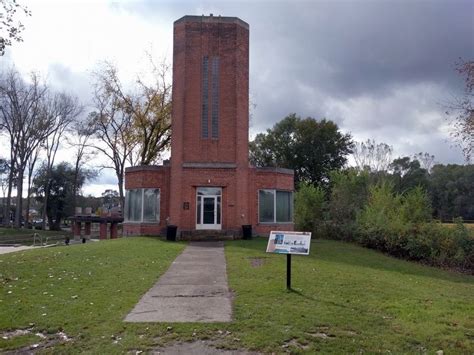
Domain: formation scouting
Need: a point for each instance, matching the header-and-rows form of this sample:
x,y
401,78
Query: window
x,y
275,206
215,98
205,98
142,205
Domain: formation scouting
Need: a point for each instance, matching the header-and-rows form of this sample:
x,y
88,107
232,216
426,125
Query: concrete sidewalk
x,y
11,249
194,289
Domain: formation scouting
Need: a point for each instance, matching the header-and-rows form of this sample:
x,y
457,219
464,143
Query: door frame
x,y
215,225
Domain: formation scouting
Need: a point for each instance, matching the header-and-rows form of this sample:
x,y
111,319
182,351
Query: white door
x,y
208,208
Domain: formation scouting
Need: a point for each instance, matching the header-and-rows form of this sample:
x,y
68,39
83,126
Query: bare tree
x,y
62,110
372,156
112,129
22,117
426,160
133,126
149,107
461,110
81,134
10,26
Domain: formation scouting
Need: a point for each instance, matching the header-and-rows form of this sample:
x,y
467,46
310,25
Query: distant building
x,y
208,184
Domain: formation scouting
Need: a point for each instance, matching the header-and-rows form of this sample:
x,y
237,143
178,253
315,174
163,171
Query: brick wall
x,y
149,177
278,179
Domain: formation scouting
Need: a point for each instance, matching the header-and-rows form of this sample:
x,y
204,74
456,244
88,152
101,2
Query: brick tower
x,y
210,103
209,190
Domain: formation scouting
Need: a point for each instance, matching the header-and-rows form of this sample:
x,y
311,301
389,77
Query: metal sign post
x,y
288,271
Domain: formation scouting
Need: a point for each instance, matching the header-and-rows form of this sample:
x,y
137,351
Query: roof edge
x,y
212,19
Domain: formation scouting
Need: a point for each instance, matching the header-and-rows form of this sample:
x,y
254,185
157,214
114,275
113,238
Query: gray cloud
x,y
380,69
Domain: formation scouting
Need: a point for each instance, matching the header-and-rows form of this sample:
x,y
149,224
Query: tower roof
x,y
212,19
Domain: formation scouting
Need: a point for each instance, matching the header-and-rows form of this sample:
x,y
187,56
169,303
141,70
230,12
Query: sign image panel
x,y
289,242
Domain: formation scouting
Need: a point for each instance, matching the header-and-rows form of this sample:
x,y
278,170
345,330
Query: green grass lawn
x,y
345,299
25,236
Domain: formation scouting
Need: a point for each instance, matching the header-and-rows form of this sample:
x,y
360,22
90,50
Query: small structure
x,y
88,218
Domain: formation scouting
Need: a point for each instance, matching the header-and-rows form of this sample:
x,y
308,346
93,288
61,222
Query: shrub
x,y
348,196
401,225
309,209
416,206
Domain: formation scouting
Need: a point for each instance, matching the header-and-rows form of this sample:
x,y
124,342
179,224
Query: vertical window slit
x,y
205,98
215,98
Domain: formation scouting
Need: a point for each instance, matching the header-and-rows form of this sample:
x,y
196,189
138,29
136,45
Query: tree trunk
x,y
8,203
45,205
19,199
120,186
28,197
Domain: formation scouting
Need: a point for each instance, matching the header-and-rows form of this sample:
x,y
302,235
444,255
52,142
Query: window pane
x,y
136,205
151,205
209,191
126,210
284,206
265,205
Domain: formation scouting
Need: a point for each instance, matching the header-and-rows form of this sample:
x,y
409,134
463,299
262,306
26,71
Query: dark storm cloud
x,y
380,69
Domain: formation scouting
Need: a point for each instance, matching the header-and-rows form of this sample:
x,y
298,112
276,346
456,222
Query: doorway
x,y
208,208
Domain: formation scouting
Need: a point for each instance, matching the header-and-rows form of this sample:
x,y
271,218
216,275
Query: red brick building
x,y
208,183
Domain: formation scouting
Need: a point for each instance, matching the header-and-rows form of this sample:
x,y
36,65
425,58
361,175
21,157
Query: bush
x,y
348,196
309,209
401,226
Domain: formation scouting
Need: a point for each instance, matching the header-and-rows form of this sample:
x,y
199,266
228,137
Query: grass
x,y
469,226
25,236
345,299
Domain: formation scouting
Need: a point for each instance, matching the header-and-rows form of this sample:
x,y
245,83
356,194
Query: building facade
x,y
208,183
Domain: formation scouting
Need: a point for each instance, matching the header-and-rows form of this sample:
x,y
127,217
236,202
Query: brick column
x,y
77,230
103,230
113,230
87,229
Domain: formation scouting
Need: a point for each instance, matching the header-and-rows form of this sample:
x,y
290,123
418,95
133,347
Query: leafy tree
x,y
10,26
60,183
452,191
110,198
461,110
349,194
407,174
310,147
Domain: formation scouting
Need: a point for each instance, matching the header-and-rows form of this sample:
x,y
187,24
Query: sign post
x,y
288,271
289,243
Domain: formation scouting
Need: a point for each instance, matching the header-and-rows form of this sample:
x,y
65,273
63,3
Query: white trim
x,y
214,226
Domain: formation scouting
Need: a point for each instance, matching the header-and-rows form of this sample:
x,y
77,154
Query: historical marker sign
x,y
289,242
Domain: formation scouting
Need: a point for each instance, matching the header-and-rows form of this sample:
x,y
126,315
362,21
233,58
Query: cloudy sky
x,y
379,69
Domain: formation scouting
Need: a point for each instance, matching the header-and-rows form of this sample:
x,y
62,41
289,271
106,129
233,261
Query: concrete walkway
x,y
6,250
194,289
